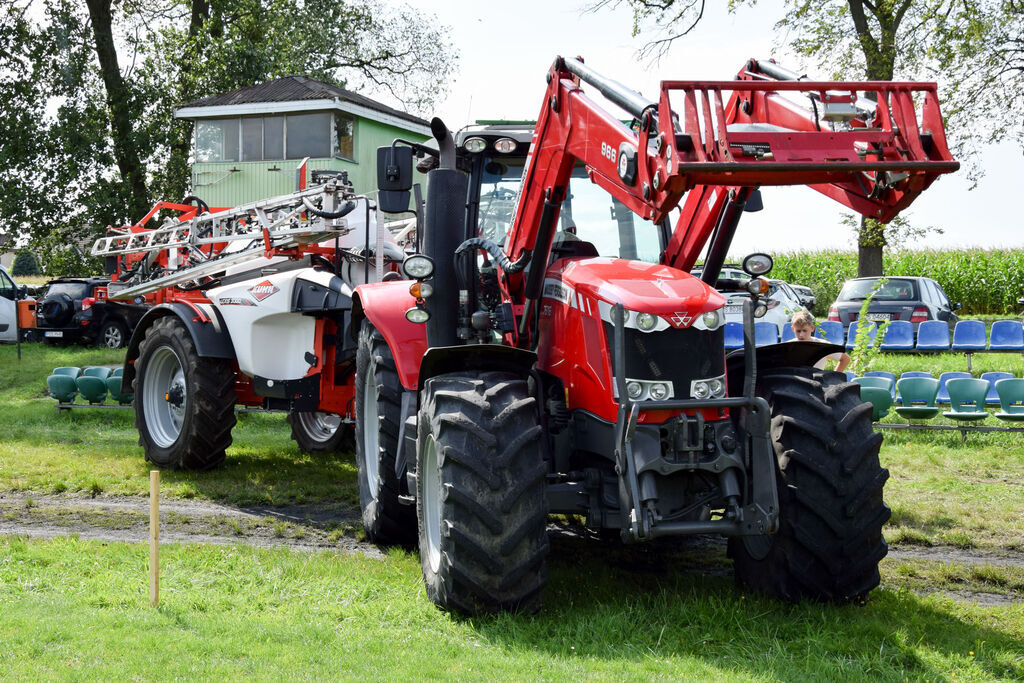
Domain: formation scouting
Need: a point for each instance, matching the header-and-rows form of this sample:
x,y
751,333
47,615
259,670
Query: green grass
x,y
77,609
96,451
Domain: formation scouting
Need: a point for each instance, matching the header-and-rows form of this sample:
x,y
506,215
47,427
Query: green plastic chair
x,y
879,398
967,399
68,370
874,381
92,385
1011,399
62,387
114,388
918,394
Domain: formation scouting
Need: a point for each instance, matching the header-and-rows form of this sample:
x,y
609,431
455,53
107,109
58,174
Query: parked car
x,y
901,298
76,310
10,293
783,302
806,294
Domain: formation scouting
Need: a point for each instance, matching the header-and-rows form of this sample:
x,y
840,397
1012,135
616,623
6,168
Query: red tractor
x,y
552,353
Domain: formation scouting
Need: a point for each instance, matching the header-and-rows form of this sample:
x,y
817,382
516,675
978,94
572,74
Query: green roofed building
x,y
248,144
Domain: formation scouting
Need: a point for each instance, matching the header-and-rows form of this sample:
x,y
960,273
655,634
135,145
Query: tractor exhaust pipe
x,y
444,230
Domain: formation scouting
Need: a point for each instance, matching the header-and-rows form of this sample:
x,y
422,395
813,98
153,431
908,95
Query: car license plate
x,y
734,309
53,333
879,316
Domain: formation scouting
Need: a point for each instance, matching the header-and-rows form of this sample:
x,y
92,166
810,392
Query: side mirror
x,y
957,306
22,292
394,178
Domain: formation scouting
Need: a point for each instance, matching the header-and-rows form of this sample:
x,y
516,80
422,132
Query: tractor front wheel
x,y
184,404
387,520
480,503
831,512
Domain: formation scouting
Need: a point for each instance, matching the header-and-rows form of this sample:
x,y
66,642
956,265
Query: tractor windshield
x,y
588,214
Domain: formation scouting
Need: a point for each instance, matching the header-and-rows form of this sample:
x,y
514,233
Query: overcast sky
x,y
506,49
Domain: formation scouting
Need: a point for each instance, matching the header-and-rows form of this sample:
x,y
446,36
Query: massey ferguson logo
x,y
263,290
681,319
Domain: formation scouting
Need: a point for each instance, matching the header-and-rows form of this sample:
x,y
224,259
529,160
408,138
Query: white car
x,y
783,302
9,295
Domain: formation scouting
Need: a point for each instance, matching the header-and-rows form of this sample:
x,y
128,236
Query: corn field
x,y
986,282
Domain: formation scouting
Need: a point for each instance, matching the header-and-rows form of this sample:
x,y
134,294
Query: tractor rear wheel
x,y
184,404
480,503
831,512
387,520
318,432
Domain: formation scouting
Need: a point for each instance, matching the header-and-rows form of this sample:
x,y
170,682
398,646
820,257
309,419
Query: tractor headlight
x,y
646,321
712,387
418,266
417,315
710,320
700,390
475,145
634,389
659,391
505,145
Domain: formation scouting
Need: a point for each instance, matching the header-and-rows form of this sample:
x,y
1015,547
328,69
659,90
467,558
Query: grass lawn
x,y
79,609
76,609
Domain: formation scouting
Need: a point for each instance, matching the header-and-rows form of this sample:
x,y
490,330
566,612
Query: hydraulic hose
x,y
496,253
345,210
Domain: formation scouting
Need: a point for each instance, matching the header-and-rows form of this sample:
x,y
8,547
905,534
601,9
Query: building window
x,y
308,135
317,135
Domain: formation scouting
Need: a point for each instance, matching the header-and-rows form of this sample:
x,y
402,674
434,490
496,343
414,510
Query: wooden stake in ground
x,y
154,538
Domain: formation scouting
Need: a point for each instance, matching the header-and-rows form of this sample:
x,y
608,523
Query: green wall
x,y
231,183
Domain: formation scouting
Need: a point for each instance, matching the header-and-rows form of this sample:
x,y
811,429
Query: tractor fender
x,y
786,354
204,323
384,304
478,357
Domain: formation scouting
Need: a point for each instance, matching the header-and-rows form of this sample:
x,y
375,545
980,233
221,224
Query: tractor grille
x,y
675,355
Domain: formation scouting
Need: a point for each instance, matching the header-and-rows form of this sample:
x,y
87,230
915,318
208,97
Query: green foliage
x,y
985,281
67,260
81,148
25,263
865,349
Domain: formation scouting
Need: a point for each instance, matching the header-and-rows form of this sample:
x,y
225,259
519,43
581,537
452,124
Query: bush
x,y
25,263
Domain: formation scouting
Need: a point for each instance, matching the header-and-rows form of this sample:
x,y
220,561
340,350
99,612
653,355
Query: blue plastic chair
x,y
943,396
899,336
970,336
733,335
1007,335
887,375
830,331
851,337
787,334
850,376
933,335
992,397
765,333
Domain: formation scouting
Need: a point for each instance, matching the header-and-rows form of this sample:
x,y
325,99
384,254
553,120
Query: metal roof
x,y
298,89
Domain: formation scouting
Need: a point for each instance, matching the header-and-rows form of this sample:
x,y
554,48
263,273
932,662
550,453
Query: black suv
x,y
77,310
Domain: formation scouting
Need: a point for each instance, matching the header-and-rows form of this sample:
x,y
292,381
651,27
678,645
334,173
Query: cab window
x,y
7,289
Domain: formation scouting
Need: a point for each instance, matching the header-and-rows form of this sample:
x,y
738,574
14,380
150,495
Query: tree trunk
x,y
869,260
119,106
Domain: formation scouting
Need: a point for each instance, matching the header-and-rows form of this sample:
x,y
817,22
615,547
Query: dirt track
x,y
300,527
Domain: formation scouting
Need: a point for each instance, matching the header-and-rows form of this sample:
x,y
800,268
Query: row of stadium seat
x,y
969,336
916,395
93,384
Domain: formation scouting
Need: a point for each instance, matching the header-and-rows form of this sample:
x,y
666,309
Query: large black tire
x,y
830,483
184,404
387,520
319,432
113,334
480,502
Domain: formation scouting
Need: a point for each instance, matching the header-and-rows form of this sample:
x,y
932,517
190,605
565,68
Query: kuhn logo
x,y
263,290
